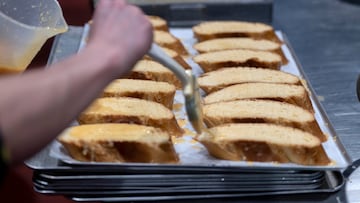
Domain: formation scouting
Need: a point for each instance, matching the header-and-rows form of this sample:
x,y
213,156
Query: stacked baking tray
x,y
144,183
197,176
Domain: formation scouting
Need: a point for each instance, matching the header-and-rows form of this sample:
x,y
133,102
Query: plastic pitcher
x,y
25,25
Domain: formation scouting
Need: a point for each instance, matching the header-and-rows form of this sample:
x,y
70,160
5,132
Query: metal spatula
x,y
189,85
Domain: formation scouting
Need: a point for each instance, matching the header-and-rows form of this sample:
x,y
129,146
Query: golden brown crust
x,y
237,116
212,61
151,145
168,77
168,40
169,125
253,62
263,152
292,94
121,152
158,23
248,142
133,111
206,81
164,98
269,35
279,51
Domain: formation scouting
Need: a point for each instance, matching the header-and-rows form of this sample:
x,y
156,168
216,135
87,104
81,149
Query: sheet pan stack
x,y
109,183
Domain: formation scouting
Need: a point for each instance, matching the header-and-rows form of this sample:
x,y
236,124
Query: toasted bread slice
x,y
240,43
173,54
216,80
152,70
168,40
161,92
158,23
222,29
262,111
264,143
130,110
230,58
293,94
118,143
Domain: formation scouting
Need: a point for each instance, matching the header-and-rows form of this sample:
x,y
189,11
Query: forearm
x,y
37,106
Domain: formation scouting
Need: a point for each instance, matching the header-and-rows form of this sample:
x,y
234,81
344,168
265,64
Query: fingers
x,y
106,6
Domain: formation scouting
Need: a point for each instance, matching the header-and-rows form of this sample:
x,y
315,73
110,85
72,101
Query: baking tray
x,y
193,154
334,181
323,183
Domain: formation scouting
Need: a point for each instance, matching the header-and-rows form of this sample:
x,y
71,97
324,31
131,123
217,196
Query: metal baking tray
x,y
333,182
193,154
328,182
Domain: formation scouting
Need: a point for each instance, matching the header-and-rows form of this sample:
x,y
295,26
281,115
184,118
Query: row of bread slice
x,y
248,111
237,43
131,121
138,143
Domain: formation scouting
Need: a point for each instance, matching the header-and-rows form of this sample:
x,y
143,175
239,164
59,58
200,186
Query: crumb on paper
x,y
190,132
177,106
177,140
182,122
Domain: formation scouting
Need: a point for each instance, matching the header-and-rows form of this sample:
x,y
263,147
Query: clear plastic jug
x,y
25,25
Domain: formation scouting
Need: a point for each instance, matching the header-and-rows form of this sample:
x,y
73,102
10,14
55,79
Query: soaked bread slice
x,y
262,111
118,143
160,92
158,23
222,29
152,70
168,40
240,43
264,143
230,58
173,54
293,94
130,110
216,80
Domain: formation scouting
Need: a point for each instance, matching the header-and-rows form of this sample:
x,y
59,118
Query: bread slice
x,y
130,110
230,58
168,40
158,23
264,143
240,43
222,29
152,70
216,80
160,92
118,143
293,94
262,111
173,54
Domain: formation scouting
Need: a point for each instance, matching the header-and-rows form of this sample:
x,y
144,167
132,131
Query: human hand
x,y
121,32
